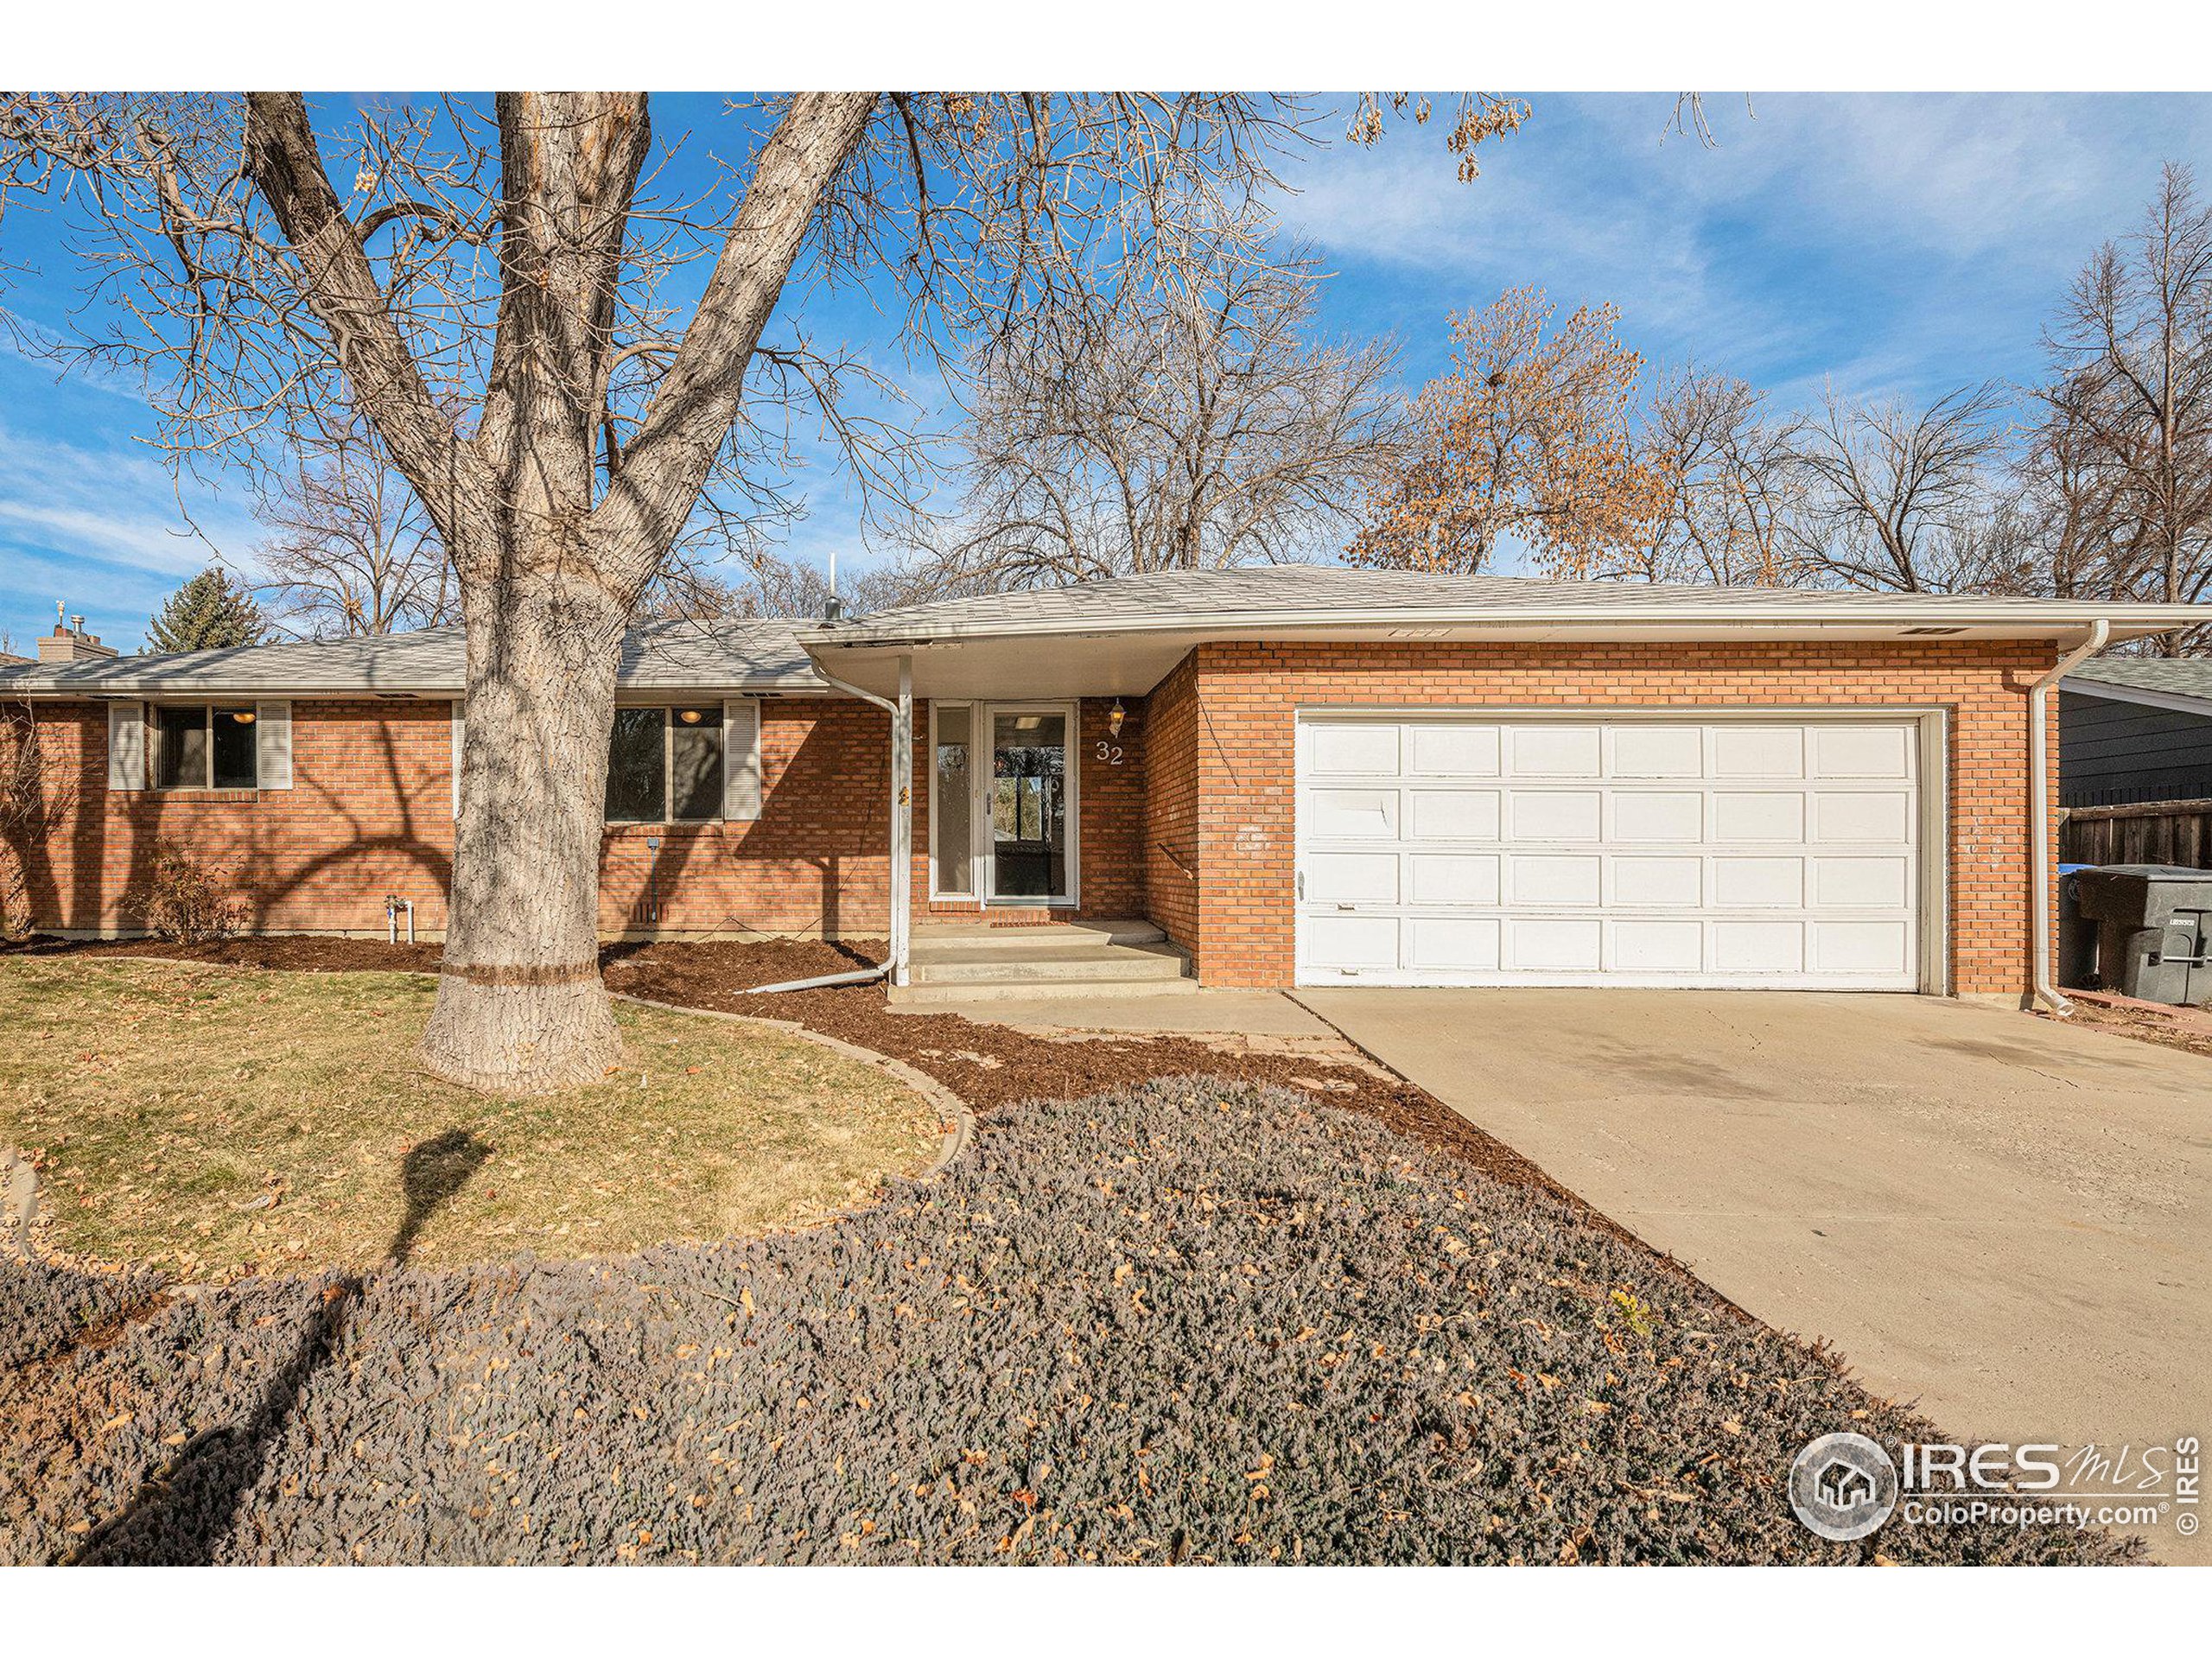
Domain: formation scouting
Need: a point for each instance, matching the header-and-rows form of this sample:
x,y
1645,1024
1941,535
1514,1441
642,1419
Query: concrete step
x,y
941,994
934,937
969,961
1103,964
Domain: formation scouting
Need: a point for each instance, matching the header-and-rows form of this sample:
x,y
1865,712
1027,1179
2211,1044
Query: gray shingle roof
x,y
1311,594
674,655
2179,676
768,655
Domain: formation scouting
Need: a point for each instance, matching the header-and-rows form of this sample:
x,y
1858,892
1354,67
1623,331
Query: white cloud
x,y
116,506
104,530
138,545
1897,241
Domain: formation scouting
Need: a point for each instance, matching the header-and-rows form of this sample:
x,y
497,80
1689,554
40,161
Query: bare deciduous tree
x,y
1895,494
2073,500
489,289
1193,427
1728,488
1529,438
351,549
2133,344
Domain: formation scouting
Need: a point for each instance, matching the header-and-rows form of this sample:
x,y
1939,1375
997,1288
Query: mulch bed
x,y
2187,1029
1187,1321
299,952
960,1052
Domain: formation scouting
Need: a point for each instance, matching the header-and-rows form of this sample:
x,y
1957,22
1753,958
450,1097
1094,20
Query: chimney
x,y
69,643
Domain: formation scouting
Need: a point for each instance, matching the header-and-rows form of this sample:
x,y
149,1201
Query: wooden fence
x,y
2154,832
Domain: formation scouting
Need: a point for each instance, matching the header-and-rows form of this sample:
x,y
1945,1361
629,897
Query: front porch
x,y
1029,811
993,959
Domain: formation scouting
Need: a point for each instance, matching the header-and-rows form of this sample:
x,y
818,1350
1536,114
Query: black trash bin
x,y
2151,930
2078,935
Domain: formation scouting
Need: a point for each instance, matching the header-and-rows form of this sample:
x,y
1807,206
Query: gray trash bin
x,y
2151,921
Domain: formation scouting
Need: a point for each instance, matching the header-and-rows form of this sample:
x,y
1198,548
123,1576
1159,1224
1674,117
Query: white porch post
x,y
902,819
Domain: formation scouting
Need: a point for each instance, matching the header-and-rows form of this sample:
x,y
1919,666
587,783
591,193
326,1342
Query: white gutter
x,y
902,835
2046,991
2023,619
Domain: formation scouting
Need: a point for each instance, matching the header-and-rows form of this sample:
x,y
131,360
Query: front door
x,y
1003,831
1027,819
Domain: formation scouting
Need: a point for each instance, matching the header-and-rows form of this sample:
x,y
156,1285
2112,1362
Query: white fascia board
x,y
2028,620
157,691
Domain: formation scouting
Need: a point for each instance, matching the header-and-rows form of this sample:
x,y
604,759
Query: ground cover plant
x,y
205,1119
1189,1321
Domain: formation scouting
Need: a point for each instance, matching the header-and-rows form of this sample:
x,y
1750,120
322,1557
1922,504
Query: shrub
x,y
186,901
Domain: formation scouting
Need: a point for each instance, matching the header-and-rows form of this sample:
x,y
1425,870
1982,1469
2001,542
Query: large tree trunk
x,y
520,1007
548,577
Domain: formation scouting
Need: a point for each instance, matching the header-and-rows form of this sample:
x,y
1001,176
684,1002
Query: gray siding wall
x,y
2112,754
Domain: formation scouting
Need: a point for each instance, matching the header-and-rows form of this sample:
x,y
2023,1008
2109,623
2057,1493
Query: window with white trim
x,y
664,765
206,745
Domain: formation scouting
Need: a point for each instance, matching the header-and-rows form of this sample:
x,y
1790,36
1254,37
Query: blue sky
x,y
1895,245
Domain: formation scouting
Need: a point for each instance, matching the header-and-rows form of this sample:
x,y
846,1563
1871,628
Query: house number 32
x,y
1110,752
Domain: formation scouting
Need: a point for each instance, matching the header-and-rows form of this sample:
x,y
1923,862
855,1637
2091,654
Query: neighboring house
x,y
1302,774
2136,729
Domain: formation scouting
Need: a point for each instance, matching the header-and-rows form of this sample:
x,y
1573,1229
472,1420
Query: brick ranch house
x,y
1302,775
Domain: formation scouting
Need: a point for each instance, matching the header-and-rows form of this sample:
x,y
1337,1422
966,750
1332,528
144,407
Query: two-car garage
x,y
1781,850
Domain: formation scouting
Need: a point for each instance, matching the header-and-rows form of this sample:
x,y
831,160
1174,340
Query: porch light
x,y
688,717
244,716
1114,720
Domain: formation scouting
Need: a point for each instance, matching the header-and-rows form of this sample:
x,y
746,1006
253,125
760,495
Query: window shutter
x,y
272,724
741,758
458,731
126,746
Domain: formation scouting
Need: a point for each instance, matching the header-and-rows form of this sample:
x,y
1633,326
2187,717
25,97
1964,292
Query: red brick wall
x,y
1112,806
1246,696
1206,784
814,862
1171,826
370,812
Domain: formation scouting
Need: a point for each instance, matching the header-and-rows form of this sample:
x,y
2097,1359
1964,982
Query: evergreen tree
x,y
209,612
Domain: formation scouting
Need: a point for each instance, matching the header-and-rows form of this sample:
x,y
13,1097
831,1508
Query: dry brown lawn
x,y
213,1121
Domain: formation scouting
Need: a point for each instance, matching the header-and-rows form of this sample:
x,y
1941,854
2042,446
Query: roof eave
x,y
109,690
1874,620
2146,697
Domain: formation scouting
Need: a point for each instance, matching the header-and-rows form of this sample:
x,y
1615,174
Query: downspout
x,y
2046,991
902,835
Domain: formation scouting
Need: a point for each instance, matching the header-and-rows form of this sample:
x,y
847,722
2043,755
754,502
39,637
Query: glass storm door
x,y
952,801
1025,805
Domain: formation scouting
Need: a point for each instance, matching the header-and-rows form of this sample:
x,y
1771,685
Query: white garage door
x,y
1736,853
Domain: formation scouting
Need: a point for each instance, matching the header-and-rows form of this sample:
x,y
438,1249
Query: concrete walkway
x,y
2005,1219
1249,1014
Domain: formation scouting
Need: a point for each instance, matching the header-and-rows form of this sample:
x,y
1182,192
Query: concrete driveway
x,y
2002,1218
